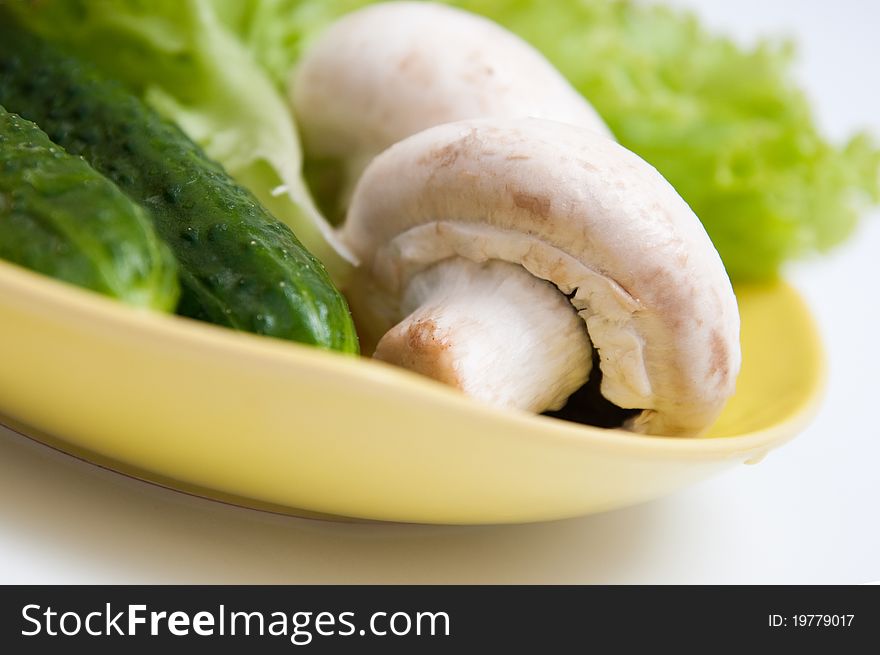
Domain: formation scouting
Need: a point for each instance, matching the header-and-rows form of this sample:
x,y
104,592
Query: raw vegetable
x,y
179,57
385,72
60,217
726,126
239,266
501,284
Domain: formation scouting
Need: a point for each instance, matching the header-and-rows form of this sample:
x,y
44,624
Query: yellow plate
x,y
274,425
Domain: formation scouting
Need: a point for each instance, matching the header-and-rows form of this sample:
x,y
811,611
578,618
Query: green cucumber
x,y
239,266
60,217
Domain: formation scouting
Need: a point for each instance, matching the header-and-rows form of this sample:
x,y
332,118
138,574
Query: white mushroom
x,y
393,69
458,226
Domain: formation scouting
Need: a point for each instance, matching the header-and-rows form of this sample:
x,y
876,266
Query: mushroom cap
x,y
580,211
390,70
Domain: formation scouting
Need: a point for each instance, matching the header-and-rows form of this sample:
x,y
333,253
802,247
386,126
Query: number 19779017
x,y
810,620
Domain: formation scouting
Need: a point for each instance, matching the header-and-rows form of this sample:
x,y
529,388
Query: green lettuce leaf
x,y
725,125
188,65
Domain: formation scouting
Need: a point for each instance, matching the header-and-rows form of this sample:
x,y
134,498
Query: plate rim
x,y
43,294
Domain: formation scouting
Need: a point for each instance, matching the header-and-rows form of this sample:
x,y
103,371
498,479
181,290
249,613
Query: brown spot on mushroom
x,y
420,347
422,335
441,157
588,166
517,158
666,293
719,359
538,205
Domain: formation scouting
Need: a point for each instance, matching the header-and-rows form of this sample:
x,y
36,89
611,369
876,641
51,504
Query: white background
x,y
807,514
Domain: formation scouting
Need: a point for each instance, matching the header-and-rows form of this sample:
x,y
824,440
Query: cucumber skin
x,y
239,266
60,217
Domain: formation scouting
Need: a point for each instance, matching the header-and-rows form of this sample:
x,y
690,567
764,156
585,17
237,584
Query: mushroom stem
x,y
494,331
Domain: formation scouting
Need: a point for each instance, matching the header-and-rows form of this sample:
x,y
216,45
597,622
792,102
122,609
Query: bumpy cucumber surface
x,y
60,217
239,266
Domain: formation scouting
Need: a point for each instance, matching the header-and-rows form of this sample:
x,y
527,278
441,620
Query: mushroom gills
x,y
492,330
588,406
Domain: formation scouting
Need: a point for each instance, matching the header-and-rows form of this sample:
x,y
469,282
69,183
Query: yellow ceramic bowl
x,y
274,425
